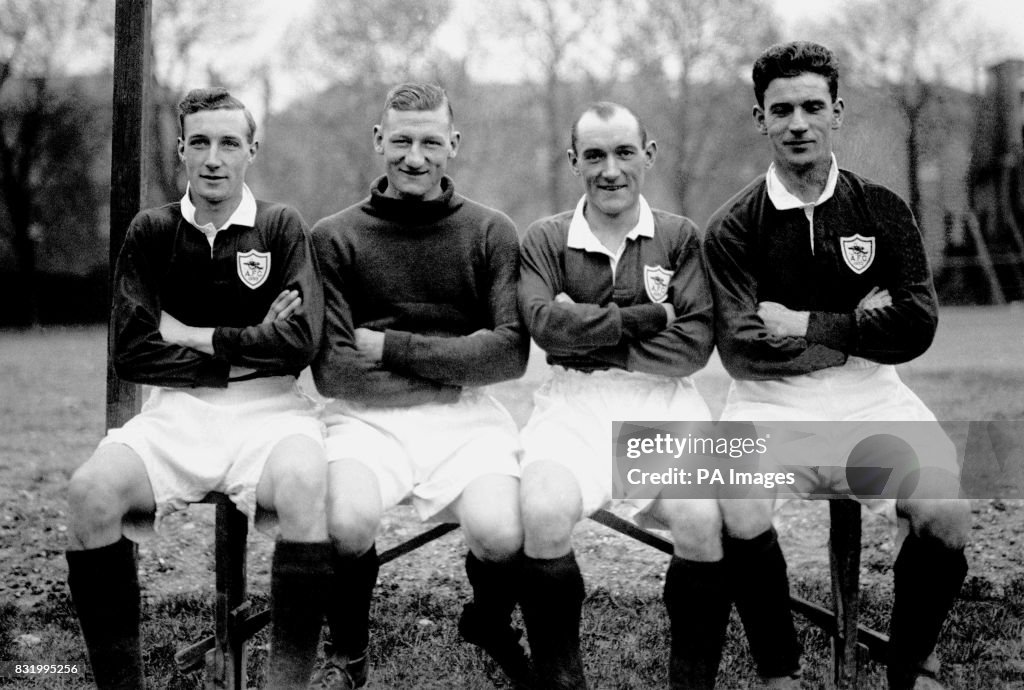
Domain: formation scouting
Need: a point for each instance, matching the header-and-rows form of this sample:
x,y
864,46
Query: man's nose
x,y
414,158
611,168
799,120
212,159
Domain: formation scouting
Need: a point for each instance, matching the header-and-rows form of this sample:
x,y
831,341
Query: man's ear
x,y
254,148
651,152
453,141
378,139
181,149
837,113
574,161
759,122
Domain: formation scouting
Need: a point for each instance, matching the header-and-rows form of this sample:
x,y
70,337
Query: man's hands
x,y
876,299
286,304
370,343
784,322
670,311
174,331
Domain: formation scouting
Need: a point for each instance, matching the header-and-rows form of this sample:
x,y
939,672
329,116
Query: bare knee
x,y
295,486
352,528
551,505
946,520
354,506
696,528
746,518
112,483
494,540
488,511
94,499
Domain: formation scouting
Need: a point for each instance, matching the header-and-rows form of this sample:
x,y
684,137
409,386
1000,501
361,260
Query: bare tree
x,y
354,42
565,43
192,42
694,53
908,49
40,121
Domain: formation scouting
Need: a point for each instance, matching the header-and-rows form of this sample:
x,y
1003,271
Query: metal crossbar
x,y
224,651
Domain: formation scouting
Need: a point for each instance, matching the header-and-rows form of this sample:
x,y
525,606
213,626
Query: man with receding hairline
x,y
217,304
615,292
421,315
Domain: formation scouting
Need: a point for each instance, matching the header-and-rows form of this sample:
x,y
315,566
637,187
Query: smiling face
x,y
799,118
612,160
216,152
416,145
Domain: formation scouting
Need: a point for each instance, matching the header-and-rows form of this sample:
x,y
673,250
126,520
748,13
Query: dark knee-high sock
x,y
928,577
300,574
698,603
348,601
551,598
104,586
495,588
760,588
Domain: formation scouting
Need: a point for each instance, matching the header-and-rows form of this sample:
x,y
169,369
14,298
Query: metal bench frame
x,y
224,652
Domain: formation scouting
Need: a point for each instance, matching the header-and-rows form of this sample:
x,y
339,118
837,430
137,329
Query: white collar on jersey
x,y
783,200
245,214
582,237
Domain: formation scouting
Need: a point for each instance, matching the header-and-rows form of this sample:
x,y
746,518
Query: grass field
x,y
51,415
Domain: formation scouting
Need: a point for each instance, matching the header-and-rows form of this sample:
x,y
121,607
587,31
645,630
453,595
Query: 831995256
x,y
17,669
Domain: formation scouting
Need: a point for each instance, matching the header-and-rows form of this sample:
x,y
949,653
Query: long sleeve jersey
x,y
166,264
616,321
438,279
864,236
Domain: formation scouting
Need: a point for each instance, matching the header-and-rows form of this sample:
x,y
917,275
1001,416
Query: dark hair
x,y
606,110
417,96
785,60
215,98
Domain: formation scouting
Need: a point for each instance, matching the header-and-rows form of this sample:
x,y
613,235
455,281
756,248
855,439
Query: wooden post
x,y
127,175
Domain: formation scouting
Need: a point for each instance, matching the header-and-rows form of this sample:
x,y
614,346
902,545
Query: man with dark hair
x,y
218,305
421,315
615,292
821,285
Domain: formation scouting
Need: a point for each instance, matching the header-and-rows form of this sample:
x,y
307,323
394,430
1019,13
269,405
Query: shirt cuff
x,y
832,330
642,320
226,343
215,373
396,350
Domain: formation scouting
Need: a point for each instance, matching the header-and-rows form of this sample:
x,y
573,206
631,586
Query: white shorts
x,y
196,440
427,454
572,420
859,391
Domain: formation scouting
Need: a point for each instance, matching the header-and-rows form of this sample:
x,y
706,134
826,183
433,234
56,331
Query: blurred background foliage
x,y
315,72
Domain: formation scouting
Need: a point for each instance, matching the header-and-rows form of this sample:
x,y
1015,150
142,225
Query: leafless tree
x,y
42,122
695,54
910,49
565,43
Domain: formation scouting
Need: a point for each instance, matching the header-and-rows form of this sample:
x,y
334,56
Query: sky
x,y
1004,18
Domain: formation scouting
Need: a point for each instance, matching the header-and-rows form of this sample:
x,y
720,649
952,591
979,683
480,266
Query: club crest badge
x,y
858,252
656,282
253,267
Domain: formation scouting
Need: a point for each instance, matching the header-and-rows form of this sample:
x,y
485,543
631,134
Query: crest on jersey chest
x,y
858,252
253,267
656,282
